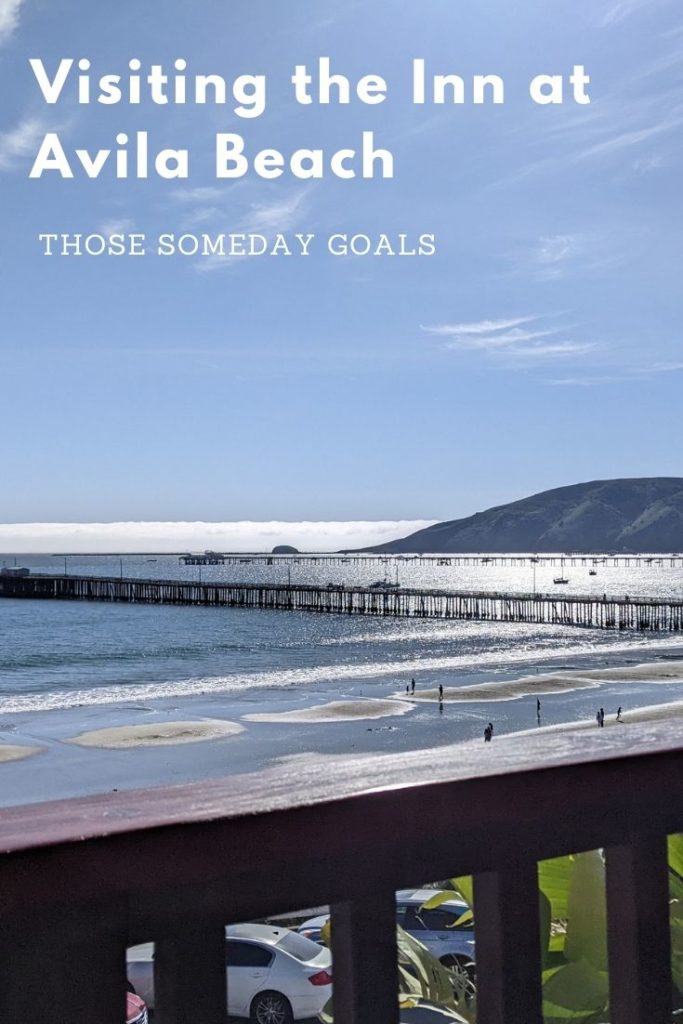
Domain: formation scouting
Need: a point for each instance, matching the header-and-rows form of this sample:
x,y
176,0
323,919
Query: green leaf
x,y
553,879
675,844
587,912
544,908
465,887
677,952
434,979
439,897
447,1015
576,992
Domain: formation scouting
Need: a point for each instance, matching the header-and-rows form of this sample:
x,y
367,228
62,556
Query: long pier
x,y
613,561
635,613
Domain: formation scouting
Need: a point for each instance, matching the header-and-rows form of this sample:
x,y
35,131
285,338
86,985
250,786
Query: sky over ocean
x,y
354,387
244,536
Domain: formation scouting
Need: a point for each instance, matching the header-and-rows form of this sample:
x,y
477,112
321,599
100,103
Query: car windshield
x,y
299,946
439,919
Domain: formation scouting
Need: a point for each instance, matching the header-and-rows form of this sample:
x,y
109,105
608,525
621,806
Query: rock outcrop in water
x,y
605,515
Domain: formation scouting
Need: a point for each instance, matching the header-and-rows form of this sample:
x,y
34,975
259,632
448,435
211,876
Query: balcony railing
x,y
80,880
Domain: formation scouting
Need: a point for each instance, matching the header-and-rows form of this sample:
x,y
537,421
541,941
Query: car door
x,y
248,965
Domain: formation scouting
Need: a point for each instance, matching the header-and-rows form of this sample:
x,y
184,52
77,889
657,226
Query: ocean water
x,y
58,655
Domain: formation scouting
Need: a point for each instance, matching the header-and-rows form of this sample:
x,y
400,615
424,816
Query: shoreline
x,y
134,744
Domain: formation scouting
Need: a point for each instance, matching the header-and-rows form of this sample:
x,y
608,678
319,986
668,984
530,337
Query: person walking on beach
x,y
602,718
440,691
488,733
412,686
597,718
491,728
619,718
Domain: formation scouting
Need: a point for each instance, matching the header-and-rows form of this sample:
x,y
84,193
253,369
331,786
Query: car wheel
x,y
464,980
271,1008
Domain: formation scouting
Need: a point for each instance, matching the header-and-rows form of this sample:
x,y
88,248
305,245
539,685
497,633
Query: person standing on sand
x,y
602,718
597,717
488,733
619,718
491,728
412,686
440,691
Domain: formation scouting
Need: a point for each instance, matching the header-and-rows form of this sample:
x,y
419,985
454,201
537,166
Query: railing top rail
x,y
515,779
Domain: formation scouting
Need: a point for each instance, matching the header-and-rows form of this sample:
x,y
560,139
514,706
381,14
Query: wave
x,y
284,679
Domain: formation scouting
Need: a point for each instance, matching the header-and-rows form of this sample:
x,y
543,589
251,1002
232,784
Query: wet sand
x,y
337,711
125,745
157,735
554,682
12,753
671,712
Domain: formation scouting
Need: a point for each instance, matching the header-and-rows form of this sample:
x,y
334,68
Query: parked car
x,y
449,942
275,975
136,1011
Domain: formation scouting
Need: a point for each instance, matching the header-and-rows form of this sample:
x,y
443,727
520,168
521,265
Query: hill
x,y
604,515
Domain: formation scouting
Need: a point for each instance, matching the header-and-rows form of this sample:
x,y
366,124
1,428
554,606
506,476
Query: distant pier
x,y
614,561
635,613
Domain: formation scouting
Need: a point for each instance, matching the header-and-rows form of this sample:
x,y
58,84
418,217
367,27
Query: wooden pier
x,y
567,560
635,613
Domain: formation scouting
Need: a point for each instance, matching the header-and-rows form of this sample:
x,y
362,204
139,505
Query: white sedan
x,y
275,975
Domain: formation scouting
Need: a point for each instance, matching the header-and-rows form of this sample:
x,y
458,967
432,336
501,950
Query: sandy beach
x,y
101,747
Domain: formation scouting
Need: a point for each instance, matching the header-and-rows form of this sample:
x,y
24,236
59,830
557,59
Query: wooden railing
x,y
82,879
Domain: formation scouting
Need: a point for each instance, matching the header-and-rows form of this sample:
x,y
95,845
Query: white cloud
x,y
560,348
555,254
629,375
9,17
40,538
202,194
515,340
615,12
116,227
479,327
502,338
20,142
279,216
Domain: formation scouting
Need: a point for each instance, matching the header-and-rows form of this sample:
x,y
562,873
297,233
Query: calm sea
x,y
56,655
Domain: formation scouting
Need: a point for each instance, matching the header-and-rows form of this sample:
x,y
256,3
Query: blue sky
x,y
540,346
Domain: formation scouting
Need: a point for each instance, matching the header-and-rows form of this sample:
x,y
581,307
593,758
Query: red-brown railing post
x,y
190,976
507,930
365,960
638,931
69,967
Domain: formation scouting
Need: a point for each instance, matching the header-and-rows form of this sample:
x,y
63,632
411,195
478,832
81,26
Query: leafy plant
x,y
574,932
423,982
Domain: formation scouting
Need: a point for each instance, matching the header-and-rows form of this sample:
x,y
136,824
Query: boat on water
x,y
560,579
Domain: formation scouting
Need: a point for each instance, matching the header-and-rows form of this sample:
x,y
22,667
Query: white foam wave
x,y
282,679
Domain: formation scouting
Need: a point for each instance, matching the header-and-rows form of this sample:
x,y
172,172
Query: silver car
x,y
438,929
